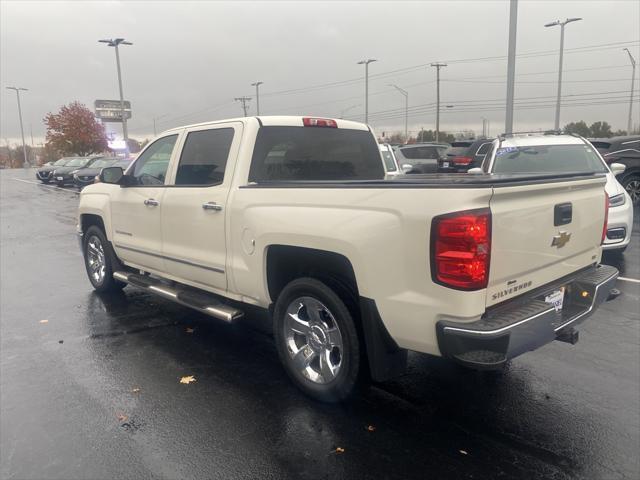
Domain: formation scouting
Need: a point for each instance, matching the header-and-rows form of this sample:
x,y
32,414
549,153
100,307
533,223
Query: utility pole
x,y
438,67
366,86
244,100
633,81
257,85
511,65
562,25
115,42
406,110
24,146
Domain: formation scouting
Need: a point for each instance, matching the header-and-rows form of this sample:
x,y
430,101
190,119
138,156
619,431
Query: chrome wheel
x,y
633,189
313,340
95,259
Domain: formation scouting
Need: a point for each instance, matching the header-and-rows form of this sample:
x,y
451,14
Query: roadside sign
x,y
109,110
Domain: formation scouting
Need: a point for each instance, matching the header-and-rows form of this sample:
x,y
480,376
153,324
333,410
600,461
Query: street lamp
x,y
366,86
115,42
561,24
257,85
24,147
406,110
633,80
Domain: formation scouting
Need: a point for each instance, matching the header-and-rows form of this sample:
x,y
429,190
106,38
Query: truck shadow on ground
x,y
437,416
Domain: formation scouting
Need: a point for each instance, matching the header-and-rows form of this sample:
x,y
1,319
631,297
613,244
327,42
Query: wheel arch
x,y
285,263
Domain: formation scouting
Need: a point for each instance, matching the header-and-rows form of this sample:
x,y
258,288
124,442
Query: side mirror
x,y
475,171
111,175
406,167
617,168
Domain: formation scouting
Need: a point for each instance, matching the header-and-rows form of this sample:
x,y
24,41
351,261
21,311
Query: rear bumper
x,y
518,327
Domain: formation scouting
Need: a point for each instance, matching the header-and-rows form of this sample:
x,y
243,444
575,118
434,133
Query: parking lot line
x,y
632,280
44,185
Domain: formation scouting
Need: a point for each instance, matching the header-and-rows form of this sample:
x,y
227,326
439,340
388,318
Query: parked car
x,y
568,154
624,150
44,172
64,175
466,154
294,216
87,175
421,157
389,159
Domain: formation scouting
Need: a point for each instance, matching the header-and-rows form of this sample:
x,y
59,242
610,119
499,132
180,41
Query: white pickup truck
x,y
293,215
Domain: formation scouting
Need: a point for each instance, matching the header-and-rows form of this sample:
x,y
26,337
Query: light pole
x,y
633,80
366,86
342,112
406,110
562,25
511,65
24,146
115,42
438,67
257,85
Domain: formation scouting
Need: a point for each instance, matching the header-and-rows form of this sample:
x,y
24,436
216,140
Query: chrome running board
x,y
199,300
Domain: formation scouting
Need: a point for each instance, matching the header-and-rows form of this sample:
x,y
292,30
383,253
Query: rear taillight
x,y
319,122
606,218
462,160
461,249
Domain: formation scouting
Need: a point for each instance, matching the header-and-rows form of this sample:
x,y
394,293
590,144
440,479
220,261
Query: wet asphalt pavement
x,y
95,392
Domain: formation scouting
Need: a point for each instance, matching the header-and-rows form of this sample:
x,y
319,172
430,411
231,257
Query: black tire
x,y
631,183
348,374
103,282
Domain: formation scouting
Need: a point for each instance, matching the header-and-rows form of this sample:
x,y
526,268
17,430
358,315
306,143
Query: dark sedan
x,y
466,154
86,176
44,173
64,175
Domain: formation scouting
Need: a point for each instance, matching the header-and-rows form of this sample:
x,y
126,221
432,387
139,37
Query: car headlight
x,y
617,200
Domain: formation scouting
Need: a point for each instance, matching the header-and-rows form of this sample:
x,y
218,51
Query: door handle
x,y
212,206
151,202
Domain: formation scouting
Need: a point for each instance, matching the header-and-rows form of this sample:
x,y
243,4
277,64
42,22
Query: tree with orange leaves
x,y
74,130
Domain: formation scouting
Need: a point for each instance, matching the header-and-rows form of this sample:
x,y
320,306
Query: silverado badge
x,y
561,239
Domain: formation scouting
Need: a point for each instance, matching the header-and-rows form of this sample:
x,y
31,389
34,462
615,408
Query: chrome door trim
x,y
171,259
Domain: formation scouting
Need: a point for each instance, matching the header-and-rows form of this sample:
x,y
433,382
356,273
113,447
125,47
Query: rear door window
x,y
204,157
421,153
315,154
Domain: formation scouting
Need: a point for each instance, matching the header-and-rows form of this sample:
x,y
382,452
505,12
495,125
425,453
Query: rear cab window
x,y
547,159
288,153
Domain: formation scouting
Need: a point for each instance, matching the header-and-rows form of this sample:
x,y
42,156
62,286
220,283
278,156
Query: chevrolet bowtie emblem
x,y
561,239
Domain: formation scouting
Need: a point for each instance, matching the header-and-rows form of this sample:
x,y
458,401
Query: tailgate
x,y
532,245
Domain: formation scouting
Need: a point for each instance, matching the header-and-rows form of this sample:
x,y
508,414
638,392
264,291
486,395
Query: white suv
x,y
558,153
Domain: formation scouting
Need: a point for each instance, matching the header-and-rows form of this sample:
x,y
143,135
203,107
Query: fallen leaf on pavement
x,y
464,452
190,330
339,450
188,379
122,417
371,428
44,321
135,390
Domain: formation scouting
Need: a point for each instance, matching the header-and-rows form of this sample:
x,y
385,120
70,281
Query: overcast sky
x,y
190,59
